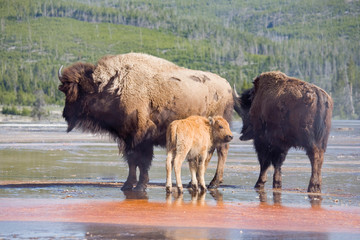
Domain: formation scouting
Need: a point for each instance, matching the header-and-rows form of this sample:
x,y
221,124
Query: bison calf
x,y
194,138
281,112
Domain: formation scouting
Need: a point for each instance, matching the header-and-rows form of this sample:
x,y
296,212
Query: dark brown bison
x,y
195,139
281,112
134,97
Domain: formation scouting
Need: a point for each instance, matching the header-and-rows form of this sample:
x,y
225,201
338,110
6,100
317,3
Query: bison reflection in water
x,y
281,112
134,97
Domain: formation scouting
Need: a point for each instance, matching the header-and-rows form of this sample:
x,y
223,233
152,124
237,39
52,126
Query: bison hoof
x,y
276,184
127,187
140,188
259,185
314,189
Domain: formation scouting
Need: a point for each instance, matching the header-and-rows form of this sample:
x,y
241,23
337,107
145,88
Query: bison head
x,y
220,129
76,83
242,107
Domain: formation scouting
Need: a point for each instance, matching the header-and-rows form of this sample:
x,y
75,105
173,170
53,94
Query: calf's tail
x,y
171,137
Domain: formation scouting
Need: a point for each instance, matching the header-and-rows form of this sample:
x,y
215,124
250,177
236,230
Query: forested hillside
x,y
315,40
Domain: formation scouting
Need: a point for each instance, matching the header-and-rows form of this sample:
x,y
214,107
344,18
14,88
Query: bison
x,y
134,97
194,138
281,112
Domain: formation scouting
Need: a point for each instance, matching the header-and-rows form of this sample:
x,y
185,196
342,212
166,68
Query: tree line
x,y
314,40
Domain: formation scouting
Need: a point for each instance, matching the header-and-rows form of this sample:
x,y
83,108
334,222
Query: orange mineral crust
x,y
181,214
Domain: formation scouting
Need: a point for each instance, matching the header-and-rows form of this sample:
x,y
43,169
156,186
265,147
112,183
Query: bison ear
x,y
86,82
211,121
75,79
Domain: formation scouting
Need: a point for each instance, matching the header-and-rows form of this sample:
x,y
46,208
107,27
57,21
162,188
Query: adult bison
x,y
134,97
281,112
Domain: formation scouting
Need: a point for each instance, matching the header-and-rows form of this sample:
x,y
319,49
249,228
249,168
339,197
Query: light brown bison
x,y
281,112
194,138
134,97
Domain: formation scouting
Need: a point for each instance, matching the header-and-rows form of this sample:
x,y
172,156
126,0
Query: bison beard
x,y
134,97
281,112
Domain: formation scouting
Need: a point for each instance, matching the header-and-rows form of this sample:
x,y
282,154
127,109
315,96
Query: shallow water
x,y
42,163
88,166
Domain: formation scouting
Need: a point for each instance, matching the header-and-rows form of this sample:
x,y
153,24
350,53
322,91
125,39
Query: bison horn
x,y
59,73
235,92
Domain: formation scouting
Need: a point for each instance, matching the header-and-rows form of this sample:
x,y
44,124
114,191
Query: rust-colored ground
x,y
181,214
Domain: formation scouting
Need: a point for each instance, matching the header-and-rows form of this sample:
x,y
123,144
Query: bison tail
x,y
322,122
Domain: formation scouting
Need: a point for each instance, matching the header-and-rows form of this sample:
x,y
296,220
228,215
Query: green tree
x,y
39,112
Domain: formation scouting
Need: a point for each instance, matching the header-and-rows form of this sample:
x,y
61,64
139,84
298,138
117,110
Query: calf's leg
x,y
169,164
222,152
193,166
201,171
178,160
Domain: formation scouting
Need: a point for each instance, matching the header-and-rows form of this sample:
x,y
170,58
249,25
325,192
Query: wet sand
x,y
58,185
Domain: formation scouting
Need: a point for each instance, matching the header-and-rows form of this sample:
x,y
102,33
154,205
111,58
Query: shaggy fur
x,y
134,97
281,112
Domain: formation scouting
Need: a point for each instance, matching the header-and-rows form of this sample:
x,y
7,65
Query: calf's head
x,y
220,129
76,84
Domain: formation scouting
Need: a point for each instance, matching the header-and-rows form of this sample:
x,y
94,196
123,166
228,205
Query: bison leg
x,y
143,178
222,152
277,157
131,179
140,157
262,150
264,166
146,153
316,157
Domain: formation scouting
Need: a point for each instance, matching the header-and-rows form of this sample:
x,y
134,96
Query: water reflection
x,y
314,199
132,195
264,199
197,198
